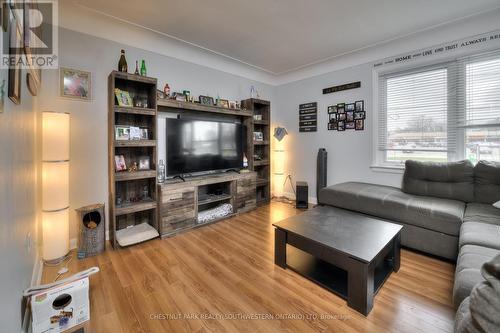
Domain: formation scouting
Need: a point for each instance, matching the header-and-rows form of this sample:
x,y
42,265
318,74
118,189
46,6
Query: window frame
x,y
456,68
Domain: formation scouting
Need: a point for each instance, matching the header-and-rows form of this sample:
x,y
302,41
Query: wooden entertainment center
x,y
173,206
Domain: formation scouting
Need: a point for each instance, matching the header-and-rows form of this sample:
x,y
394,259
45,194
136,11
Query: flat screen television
x,y
197,146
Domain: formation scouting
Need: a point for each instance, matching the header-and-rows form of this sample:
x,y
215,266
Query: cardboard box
x,y
62,307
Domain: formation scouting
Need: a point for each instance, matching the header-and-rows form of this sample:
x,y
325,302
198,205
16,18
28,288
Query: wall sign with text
x,y
308,117
342,87
485,41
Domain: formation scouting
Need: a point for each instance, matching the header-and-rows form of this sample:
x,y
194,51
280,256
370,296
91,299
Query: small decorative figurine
x,y
133,168
166,90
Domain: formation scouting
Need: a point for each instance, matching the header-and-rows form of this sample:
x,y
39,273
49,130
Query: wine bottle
x,y
136,68
143,68
122,63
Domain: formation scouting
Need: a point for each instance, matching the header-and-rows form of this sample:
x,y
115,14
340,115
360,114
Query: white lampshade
x,y
55,185
55,136
55,234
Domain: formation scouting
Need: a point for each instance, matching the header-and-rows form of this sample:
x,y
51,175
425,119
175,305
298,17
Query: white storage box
x,y
62,307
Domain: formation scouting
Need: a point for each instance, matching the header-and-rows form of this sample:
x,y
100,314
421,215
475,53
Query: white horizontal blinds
x,y
414,111
480,105
481,99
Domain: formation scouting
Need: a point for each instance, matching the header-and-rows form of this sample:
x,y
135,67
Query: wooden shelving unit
x,y
132,185
170,103
261,148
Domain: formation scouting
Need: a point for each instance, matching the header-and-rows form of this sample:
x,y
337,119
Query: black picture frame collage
x,y
347,116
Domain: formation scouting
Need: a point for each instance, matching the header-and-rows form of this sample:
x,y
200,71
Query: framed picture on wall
x,y
75,84
360,106
16,39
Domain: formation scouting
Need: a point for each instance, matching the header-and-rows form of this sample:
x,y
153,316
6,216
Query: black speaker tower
x,y
321,170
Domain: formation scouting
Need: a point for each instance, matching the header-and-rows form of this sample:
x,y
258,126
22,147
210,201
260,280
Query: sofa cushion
x,y
442,215
462,317
484,213
487,182
474,256
453,180
482,234
465,280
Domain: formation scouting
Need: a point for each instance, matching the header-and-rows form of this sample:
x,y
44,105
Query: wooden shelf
x,y
214,198
125,175
135,207
261,143
261,122
173,104
213,221
134,77
128,184
262,182
260,163
134,110
135,143
258,101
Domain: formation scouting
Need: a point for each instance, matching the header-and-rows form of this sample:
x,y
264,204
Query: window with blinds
x,y
414,116
427,113
482,108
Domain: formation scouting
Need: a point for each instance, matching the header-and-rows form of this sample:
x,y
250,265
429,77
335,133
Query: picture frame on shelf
x,y
223,103
122,133
359,125
232,104
257,117
359,105
123,98
180,97
144,163
76,84
120,164
144,133
206,100
135,133
359,115
258,136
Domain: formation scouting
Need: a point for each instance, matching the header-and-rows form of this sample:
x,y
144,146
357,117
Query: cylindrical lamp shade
x,y
55,234
55,185
55,136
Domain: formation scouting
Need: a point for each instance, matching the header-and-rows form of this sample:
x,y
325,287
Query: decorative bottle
x,y
143,68
166,90
161,172
122,63
136,68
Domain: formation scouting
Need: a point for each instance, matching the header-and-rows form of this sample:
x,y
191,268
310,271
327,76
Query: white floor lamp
x,y
55,185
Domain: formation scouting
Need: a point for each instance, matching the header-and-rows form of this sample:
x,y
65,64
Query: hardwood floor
x,y
207,279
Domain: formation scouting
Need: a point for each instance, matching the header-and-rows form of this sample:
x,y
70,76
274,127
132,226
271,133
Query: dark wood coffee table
x,y
350,254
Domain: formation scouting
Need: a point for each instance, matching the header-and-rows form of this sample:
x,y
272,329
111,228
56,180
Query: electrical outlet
x,y
27,242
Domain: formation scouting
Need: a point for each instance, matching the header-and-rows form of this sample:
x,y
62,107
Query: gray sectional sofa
x,y
445,208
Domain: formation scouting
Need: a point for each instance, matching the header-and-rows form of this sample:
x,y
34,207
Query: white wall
x,y
350,152
88,166
18,203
